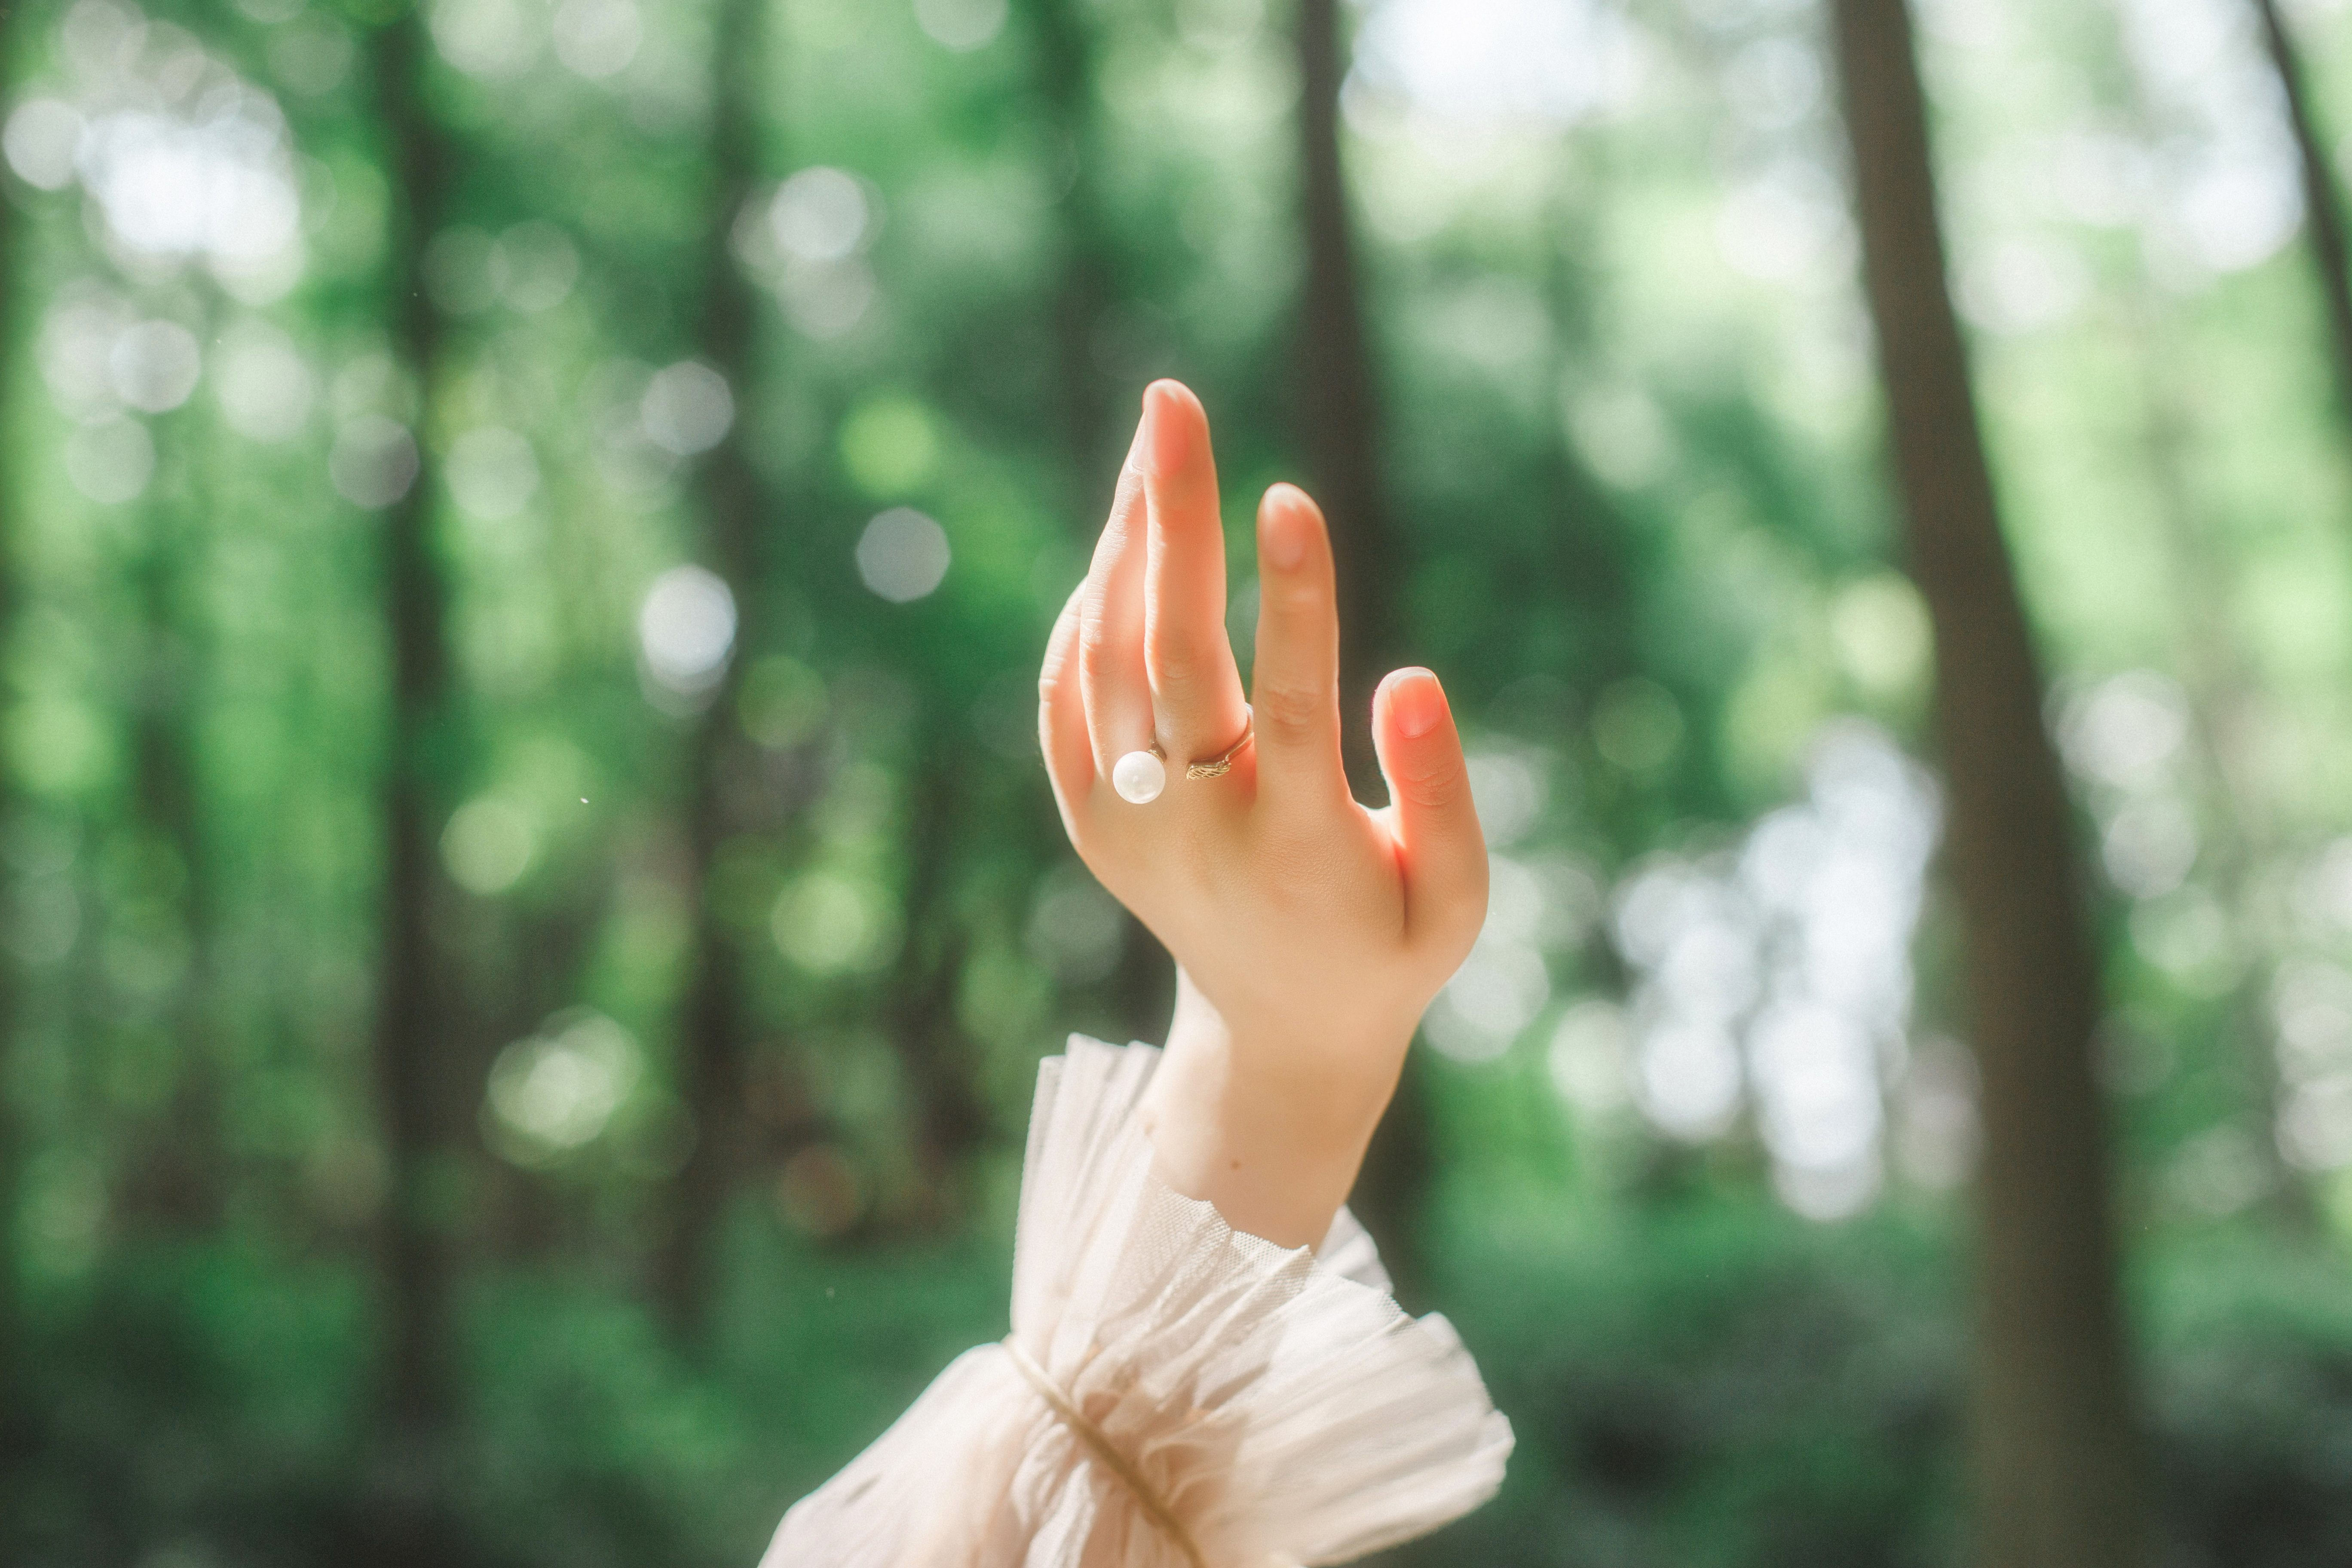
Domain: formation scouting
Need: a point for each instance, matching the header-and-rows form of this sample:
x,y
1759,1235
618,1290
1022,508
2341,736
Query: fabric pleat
x,y
1277,1400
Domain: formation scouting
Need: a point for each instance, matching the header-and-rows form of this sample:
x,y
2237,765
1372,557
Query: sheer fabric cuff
x,y
1269,1405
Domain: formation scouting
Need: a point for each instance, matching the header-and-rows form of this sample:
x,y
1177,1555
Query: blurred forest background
x,y
530,904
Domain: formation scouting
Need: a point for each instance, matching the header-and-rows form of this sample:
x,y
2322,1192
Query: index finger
x,y
1062,715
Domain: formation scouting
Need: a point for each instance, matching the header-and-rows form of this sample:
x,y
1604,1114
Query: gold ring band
x,y
1218,766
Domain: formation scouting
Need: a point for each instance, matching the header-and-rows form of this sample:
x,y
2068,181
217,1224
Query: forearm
x,y
1270,1133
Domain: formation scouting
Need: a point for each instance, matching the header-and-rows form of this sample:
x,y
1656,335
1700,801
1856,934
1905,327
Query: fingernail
x,y
1418,701
1284,534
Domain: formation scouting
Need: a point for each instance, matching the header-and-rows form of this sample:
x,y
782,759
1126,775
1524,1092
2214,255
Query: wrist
x,y
1330,1077
1269,1127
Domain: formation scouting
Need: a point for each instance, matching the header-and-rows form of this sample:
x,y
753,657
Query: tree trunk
x,y
711,1028
2323,206
1339,403
174,1178
1143,988
951,1118
1340,436
2058,1464
1063,49
415,1004
15,1425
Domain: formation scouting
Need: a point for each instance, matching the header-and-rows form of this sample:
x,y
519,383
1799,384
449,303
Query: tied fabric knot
x,y
1280,1403
1116,1463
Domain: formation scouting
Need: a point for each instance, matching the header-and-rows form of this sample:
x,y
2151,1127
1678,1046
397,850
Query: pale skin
x,y
1309,932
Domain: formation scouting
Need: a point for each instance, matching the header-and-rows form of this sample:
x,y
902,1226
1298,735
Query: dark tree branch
x,y
1340,439
2058,1461
712,1026
415,1006
174,1175
1338,401
15,1428
1143,988
1063,50
2323,204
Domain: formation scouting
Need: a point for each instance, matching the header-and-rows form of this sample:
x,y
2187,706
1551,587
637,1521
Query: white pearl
x,y
1139,777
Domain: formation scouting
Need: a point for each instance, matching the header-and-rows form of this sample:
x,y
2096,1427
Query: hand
x,y
1309,933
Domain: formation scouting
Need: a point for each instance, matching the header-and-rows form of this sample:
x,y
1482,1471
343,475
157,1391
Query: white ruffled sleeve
x,y
1266,1405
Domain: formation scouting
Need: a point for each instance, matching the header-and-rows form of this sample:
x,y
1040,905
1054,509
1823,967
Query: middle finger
x,y
1195,686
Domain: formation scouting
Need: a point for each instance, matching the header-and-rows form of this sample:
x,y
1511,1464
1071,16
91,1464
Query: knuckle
x,y
1176,646
1290,709
1293,598
1126,497
1097,647
1440,784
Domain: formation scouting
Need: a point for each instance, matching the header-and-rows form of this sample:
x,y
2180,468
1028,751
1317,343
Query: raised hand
x,y
1309,933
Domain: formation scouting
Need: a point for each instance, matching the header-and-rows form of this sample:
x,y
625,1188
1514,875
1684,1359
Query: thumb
x,y
1436,823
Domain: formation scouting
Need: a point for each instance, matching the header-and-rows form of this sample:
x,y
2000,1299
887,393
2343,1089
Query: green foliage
x,y
1709,1383
1630,445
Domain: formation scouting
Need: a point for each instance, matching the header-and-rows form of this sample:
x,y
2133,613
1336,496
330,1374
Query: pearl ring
x,y
1140,776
